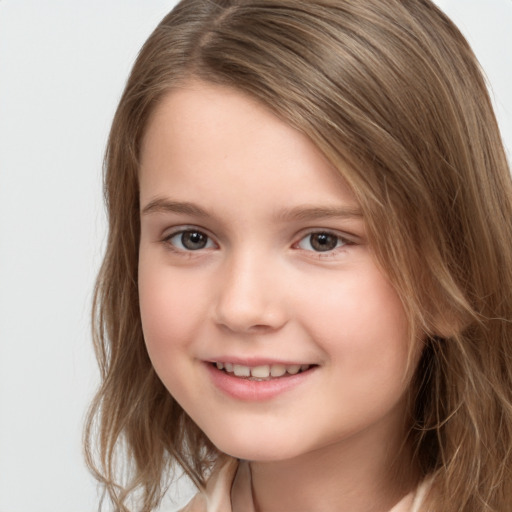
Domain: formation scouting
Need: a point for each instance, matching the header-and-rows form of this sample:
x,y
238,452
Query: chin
x,y
260,448
256,454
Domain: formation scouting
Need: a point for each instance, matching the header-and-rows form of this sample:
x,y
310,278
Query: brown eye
x,y
321,242
190,240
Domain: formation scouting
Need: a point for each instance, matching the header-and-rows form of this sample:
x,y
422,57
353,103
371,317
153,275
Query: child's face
x,y
253,253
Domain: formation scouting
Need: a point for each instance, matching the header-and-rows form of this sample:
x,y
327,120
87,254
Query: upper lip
x,y
257,361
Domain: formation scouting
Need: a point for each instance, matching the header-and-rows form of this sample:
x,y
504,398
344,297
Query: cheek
x,y
360,321
171,312
169,307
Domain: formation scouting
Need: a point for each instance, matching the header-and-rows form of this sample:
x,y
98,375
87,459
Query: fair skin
x,y
254,253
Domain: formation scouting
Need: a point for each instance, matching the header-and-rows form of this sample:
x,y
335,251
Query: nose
x,y
251,296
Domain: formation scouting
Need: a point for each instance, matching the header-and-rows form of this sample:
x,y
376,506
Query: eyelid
x,y
345,238
178,230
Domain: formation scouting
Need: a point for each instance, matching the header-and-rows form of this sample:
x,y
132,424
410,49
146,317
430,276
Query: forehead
x,y
207,117
212,135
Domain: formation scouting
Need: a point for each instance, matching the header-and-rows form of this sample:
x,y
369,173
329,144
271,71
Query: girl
x,y
305,300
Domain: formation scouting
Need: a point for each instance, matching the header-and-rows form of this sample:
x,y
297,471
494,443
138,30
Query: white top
x,y
217,495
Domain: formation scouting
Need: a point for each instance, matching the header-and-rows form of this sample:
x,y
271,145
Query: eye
x,y
321,242
190,240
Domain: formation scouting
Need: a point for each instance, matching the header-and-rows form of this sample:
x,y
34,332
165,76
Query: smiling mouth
x,y
262,372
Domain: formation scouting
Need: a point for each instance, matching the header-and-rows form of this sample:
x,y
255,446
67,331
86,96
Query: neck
x,y
366,473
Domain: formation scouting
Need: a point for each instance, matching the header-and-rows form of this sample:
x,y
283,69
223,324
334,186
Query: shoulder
x,y
216,496
196,504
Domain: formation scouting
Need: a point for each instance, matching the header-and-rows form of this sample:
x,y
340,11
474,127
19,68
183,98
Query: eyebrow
x,y
297,213
160,205
319,212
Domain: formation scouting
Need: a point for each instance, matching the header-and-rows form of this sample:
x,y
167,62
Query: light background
x,y
63,64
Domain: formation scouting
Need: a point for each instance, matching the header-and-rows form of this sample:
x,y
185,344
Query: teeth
x,y
260,372
293,369
241,371
264,371
277,370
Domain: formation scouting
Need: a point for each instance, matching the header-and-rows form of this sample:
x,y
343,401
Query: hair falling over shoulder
x,y
392,94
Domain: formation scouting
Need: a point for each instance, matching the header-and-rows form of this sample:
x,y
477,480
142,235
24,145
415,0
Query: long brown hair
x,y
392,94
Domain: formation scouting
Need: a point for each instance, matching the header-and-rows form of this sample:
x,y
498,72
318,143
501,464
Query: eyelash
x,y
168,240
340,241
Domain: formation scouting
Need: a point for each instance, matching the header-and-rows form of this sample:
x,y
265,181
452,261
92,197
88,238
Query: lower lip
x,y
255,390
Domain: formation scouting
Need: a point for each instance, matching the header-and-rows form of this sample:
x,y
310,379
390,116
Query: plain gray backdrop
x,y
63,64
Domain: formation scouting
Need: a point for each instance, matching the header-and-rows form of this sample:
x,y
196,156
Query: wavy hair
x,y
391,93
